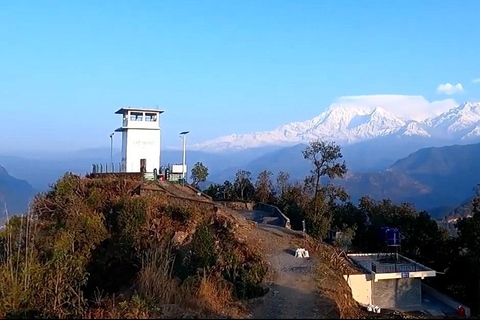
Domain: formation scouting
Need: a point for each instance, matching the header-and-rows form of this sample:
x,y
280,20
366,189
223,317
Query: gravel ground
x,y
293,291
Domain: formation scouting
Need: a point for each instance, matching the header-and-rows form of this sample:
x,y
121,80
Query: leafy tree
x,y
282,182
221,191
332,193
344,239
324,157
420,234
242,182
228,190
215,191
349,216
464,272
199,174
249,192
293,203
264,186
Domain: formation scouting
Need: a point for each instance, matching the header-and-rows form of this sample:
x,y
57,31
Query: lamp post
x,y
111,150
184,136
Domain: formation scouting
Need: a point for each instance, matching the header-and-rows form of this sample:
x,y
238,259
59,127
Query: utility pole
x,y
304,231
184,136
111,150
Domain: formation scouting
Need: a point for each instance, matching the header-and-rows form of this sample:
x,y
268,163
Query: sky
x,y
221,67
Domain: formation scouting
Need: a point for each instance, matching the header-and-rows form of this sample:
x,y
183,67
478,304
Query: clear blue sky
x,y
218,67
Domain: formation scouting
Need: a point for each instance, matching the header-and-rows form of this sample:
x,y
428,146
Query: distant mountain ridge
x,y
14,193
434,179
347,125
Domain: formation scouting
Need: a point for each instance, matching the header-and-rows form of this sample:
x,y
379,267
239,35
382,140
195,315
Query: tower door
x,y
143,165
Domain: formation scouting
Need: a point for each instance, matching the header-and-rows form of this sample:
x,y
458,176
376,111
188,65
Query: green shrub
x,y
178,213
203,244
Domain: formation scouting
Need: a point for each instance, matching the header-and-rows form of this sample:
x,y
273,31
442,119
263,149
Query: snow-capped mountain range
x,y
347,125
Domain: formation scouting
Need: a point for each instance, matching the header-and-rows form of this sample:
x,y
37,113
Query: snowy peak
x,y
341,123
414,128
346,124
472,134
385,118
459,121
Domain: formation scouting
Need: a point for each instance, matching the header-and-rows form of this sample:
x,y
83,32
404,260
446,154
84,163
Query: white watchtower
x,y
140,139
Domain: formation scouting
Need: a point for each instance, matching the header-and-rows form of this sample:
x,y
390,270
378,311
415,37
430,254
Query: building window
x,y
136,116
151,117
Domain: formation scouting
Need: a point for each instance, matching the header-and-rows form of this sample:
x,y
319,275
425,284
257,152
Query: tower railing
x,y
108,167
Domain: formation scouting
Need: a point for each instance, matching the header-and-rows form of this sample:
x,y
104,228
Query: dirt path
x,y
293,292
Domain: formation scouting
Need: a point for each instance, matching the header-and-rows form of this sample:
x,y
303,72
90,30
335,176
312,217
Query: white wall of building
x,y
361,286
142,144
140,140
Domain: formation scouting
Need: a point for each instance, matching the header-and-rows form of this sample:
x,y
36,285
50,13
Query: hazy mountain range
x,y
434,179
373,141
14,193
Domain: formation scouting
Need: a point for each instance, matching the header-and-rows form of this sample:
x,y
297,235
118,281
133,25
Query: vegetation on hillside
x,y
327,207
89,248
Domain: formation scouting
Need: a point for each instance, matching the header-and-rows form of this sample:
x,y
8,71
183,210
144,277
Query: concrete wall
x,y
397,293
445,299
237,205
273,209
142,144
361,286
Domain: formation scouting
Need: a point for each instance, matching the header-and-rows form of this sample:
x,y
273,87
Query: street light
x,y
111,149
184,136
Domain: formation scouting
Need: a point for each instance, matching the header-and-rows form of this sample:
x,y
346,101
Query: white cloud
x,y
449,88
409,107
477,80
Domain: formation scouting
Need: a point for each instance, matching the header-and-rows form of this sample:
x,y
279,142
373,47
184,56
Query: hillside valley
x,y
434,179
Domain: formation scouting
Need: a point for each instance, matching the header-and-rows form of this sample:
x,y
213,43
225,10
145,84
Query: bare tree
x,y
242,181
282,182
264,186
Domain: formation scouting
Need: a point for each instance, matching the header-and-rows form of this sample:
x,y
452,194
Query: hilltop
x,y
131,249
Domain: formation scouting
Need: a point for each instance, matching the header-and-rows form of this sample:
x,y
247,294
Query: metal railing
x,y
395,267
108,168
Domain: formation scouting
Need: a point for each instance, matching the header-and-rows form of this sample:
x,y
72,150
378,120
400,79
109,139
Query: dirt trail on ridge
x,y
293,291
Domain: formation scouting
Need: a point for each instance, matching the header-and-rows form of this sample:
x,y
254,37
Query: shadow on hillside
x,y
290,251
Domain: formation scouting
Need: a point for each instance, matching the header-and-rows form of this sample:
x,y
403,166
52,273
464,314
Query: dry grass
x,y
49,258
109,308
155,282
330,269
216,295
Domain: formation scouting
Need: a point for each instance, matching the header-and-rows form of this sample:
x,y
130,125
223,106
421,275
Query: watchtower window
x,y
136,116
151,117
